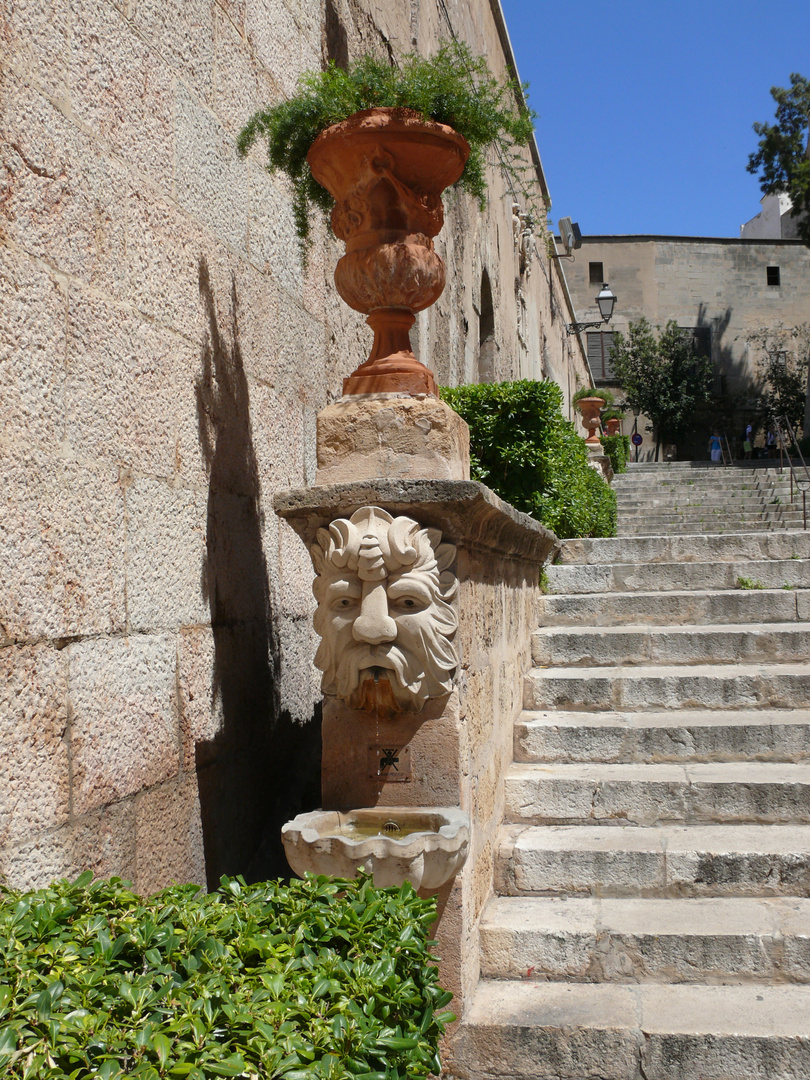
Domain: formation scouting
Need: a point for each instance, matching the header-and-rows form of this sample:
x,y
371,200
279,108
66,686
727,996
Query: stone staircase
x,y
699,497
652,916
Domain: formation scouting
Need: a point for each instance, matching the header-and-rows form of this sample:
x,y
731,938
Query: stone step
x,y
683,736
721,686
548,1031
699,500
590,939
710,607
677,576
663,861
712,519
578,646
699,529
762,480
674,547
586,793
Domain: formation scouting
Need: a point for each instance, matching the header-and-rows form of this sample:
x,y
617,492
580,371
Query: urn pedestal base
x,y
391,435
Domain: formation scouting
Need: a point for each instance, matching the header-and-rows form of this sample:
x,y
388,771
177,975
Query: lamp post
x,y
605,301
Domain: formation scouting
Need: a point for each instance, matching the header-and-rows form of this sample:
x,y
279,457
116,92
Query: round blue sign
x,y
636,439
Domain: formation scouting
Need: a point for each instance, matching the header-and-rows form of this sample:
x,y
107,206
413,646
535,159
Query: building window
x,y
599,346
773,275
596,273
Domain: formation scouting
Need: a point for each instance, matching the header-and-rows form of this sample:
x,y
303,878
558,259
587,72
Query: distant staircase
x,y
705,498
652,916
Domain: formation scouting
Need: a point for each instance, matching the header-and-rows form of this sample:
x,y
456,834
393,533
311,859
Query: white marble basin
x,y
425,845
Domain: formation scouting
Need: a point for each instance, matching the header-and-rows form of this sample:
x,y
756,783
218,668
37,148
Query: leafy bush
x,y
315,980
617,448
528,453
453,87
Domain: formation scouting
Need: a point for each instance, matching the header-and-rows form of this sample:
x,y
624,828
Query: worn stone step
x,y
638,644
584,793
675,547
581,1031
664,860
698,529
710,516
720,686
681,736
707,606
594,939
678,576
703,501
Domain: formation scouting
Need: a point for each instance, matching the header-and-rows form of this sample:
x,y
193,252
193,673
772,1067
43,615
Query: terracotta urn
x,y
387,169
590,408
613,427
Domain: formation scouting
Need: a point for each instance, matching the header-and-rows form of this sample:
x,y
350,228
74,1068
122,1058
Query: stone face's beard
x,y
376,696
384,674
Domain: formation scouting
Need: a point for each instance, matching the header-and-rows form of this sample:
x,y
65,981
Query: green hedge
x,y
528,453
617,448
315,980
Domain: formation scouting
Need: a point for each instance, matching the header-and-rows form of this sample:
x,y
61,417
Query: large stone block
x,y
62,549
37,36
130,400
276,420
103,842
299,679
211,183
63,198
32,354
163,254
241,84
182,32
169,580
274,246
198,688
124,732
282,46
34,779
122,90
168,836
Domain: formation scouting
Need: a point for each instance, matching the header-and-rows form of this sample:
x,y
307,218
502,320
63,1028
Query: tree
x,y
782,159
664,377
782,365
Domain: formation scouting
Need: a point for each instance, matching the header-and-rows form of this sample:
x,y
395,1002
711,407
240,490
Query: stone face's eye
x,y
344,603
407,603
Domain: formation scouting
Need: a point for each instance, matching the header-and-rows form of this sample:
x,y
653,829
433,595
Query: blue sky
x,y
645,106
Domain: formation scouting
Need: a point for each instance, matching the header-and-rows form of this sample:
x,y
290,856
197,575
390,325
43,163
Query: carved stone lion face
x,y
385,611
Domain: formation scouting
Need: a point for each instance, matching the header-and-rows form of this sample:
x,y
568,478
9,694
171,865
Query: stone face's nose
x,y
374,625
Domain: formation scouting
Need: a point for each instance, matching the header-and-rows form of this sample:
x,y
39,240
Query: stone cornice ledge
x,y
468,513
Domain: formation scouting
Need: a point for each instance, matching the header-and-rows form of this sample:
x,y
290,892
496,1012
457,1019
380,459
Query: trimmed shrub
x,y
316,980
528,453
617,448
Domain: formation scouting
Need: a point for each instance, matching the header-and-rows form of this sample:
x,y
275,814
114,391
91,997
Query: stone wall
x,y
163,357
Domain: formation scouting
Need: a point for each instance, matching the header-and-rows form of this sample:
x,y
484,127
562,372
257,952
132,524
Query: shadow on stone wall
x,y
261,768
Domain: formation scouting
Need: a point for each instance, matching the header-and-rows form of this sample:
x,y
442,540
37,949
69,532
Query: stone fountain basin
x,y
427,848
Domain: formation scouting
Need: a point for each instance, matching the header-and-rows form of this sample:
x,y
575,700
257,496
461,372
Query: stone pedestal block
x,y
390,435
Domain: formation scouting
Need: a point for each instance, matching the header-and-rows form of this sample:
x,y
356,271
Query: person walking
x,y
715,446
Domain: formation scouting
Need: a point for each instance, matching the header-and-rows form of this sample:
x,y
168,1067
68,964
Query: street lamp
x,y
605,301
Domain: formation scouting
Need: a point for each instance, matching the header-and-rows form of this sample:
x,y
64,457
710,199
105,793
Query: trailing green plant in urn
x,y
453,87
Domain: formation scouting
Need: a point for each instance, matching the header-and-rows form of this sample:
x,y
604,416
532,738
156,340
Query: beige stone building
x,y
721,289
163,357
